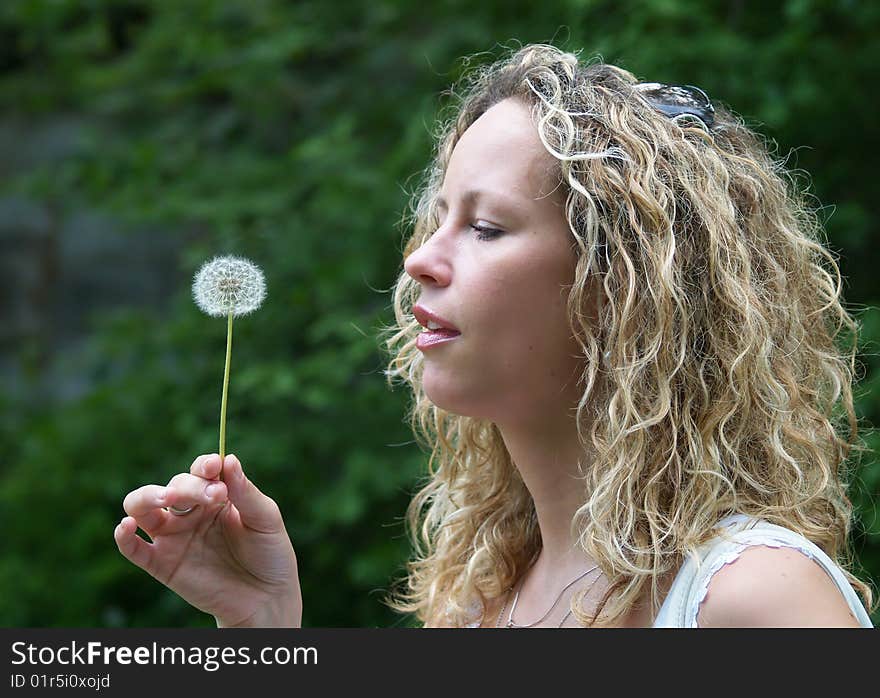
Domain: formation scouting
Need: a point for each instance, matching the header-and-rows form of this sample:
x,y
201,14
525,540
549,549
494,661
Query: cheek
x,y
526,321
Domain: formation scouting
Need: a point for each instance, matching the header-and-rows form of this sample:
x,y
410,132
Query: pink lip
x,y
429,338
423,316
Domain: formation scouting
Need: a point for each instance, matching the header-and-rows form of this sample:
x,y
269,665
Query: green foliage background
x,y
290,133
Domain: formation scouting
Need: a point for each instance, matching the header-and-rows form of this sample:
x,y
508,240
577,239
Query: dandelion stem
x,y
225,392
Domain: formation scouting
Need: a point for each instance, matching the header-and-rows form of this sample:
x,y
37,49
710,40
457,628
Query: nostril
x,y
428,265
417,270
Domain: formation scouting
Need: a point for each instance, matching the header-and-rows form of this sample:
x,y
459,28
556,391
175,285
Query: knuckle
x,y
179,480
272,507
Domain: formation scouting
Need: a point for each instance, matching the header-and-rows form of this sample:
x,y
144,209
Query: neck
x,y
546,454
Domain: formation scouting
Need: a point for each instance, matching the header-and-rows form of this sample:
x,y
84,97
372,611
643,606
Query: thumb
x,y
257,511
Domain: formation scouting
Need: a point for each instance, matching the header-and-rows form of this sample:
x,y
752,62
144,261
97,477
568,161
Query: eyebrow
x,y
473,195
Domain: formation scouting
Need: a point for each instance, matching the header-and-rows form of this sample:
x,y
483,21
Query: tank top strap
x,y
736,533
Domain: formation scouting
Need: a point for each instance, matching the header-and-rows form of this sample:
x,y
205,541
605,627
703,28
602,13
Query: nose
x,y
429,264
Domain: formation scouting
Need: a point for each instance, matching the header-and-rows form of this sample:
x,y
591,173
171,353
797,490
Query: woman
x,y
620,339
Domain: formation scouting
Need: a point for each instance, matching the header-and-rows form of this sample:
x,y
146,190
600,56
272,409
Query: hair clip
x,y
682,103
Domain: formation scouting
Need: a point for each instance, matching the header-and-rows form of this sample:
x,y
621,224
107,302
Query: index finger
x,y
140,502
206,466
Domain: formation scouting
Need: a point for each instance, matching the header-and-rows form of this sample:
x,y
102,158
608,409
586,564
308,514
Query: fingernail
x,y
163,493
213,489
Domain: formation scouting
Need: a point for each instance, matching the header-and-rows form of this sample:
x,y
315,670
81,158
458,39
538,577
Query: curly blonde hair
x,y
710,383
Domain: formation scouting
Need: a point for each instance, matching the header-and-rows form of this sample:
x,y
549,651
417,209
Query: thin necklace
x,y
565,617
511,624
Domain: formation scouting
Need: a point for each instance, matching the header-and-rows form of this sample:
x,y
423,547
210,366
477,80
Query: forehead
x,y
501,151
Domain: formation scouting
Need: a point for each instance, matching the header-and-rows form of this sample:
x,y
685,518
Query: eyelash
x,y
485,233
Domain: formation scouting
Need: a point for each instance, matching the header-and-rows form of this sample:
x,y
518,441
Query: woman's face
x,y
497,270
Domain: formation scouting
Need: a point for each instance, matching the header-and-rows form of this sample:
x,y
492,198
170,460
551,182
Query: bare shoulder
x,y
772,588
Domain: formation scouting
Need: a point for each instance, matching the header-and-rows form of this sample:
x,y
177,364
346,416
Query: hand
x,y
230,556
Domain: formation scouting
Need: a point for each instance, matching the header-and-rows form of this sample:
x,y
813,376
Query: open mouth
x,y
437,329
432,337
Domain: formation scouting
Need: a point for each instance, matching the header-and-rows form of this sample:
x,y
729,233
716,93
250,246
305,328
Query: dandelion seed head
x,y
229,284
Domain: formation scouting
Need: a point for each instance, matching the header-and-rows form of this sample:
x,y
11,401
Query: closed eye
x,y
485,233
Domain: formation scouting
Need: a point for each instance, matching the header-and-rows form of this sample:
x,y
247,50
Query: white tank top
x,y
682,603
736,533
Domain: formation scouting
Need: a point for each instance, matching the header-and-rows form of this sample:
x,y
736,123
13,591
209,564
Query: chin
x,y
456,401
444,393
